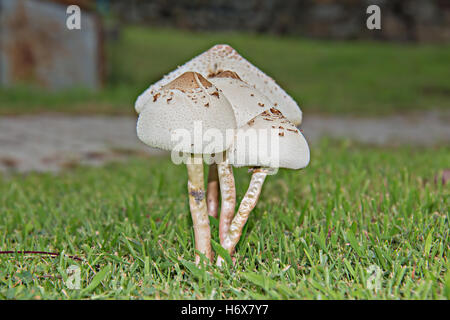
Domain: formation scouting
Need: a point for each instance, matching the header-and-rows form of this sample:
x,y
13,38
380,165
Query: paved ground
x,y
52,142
48,143
424,129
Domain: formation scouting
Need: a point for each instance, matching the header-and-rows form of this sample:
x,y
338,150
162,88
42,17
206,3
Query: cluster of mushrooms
x,y
222,91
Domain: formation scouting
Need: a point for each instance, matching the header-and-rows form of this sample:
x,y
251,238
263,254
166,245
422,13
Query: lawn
x,y
356,216
366,78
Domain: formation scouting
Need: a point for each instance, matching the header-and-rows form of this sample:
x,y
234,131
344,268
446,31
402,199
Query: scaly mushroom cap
x,y
223,57
183,104
278,144
247,102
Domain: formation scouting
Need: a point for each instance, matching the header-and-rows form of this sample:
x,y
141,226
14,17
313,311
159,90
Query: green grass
x,y
367,78
314,234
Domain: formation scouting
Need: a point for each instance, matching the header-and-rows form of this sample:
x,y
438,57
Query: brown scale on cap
x,y
213,74
225,74
275,111
251,122
156,96
187,81
275,115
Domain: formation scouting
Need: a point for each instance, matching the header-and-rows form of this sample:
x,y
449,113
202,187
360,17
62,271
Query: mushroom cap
x,y
223,57
247,102
189,114
278,144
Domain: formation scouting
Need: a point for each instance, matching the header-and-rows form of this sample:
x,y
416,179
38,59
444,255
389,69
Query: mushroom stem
x,y
228,194
212,191
197,204
248,203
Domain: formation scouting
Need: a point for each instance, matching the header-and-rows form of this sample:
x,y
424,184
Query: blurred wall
x,y
402,20
36,47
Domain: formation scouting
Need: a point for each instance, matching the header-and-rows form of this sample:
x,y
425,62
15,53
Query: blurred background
x,y
69,94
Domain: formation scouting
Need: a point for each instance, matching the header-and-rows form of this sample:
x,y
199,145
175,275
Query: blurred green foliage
x,y
323,76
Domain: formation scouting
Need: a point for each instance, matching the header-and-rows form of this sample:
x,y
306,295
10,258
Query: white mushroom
x,y
170,121
212,191
219,58
223,57
247,103
289,149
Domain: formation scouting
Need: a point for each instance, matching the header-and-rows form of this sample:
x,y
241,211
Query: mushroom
x,y
223,57
219,58
289,150
170,121
212,191
247,103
